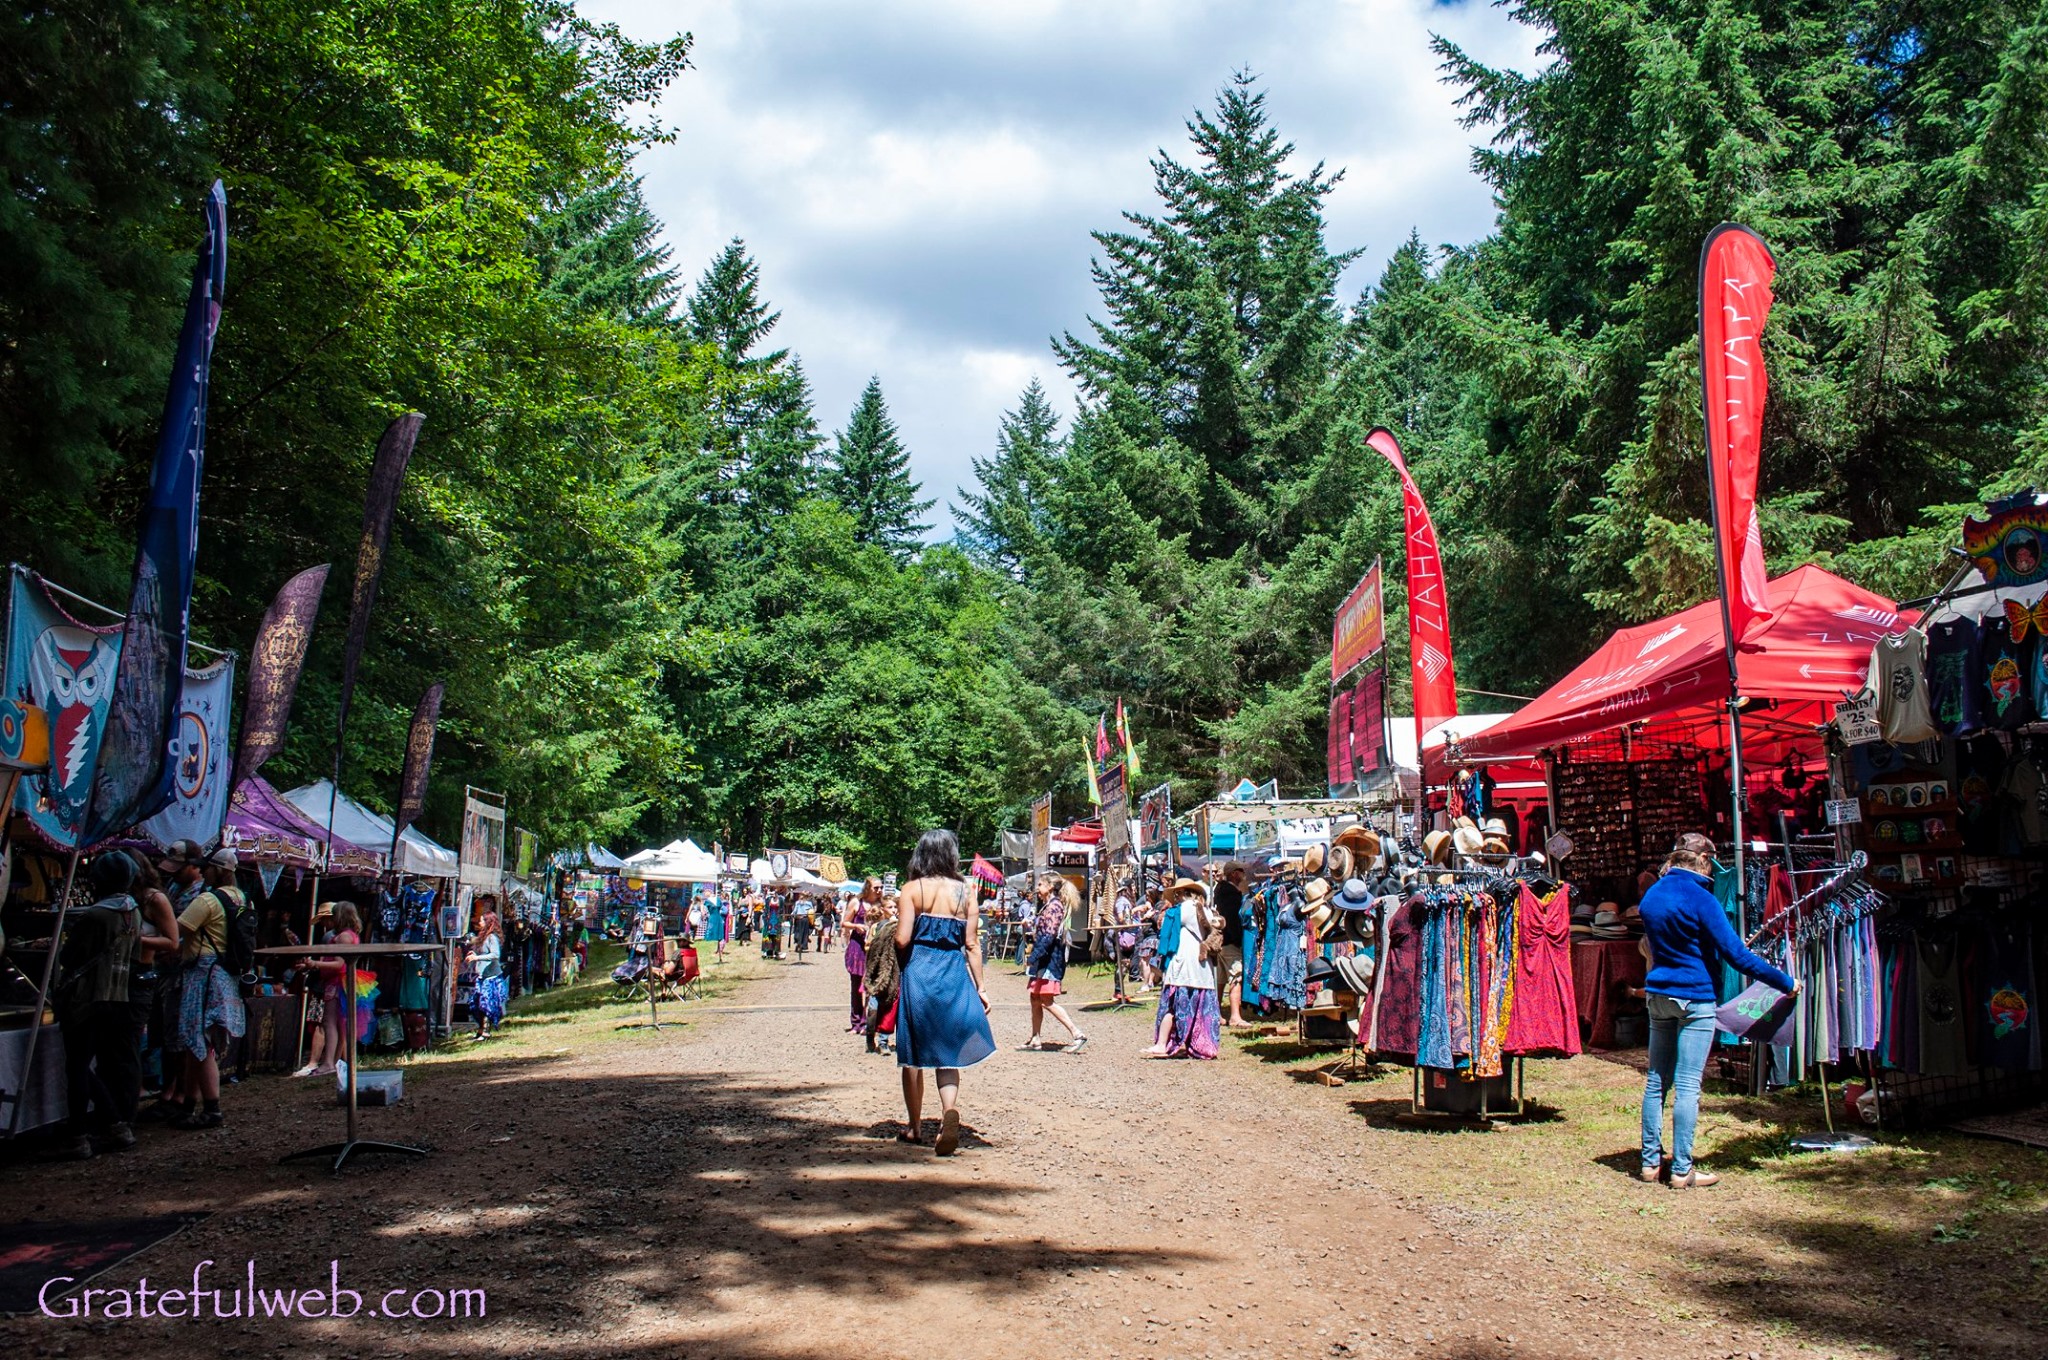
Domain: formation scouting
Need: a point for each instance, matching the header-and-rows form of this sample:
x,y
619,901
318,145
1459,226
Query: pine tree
x,y
1001,525
870,476
1222,324
601,253
726,310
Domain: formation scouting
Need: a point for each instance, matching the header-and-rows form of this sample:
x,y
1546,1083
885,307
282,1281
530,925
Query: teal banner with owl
x,y
64,666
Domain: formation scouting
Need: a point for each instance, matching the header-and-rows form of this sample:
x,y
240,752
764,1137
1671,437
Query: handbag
x,y
1760,1013
1212,943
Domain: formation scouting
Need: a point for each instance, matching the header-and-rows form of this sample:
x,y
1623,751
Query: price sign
x,y
1844,812
1856,720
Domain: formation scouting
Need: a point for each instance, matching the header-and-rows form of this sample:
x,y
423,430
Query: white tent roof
x,y
677,862
417,855
1401,734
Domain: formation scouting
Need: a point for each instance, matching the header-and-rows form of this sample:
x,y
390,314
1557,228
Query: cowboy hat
x,y
1467,838
1312,859
1183,886
1340,864
1361,841
1437,846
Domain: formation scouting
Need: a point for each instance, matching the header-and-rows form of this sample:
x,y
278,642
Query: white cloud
x,y
918,179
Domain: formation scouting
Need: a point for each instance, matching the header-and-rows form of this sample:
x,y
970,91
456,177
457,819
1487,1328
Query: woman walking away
x,y
865,908
1049,962
1689,938
487,951
1189,1024
942,1004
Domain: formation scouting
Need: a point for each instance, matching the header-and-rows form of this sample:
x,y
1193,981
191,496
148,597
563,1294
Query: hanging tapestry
x,y
66,668
199,743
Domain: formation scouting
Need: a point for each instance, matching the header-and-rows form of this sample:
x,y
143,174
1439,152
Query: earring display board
x,y
1623,814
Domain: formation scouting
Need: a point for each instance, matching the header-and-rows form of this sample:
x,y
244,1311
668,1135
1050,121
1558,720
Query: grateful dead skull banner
x,y
199,746
65,668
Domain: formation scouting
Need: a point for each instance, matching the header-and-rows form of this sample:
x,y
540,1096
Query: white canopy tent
x,y
681,861
417,855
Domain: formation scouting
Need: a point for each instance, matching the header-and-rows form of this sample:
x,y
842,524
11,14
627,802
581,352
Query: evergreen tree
x,y
726,310
870,476
1001,524
763,428
600,253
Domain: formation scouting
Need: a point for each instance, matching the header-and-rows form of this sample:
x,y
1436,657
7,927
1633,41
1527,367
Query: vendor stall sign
x,y
1844,812
1361,627
482,861
1116,811
1041,831
1155,821
2010,547
1856,720
832,868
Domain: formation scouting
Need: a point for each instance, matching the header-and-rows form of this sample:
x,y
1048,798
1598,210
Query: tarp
x,y
417,855
597,857
265,829
1816,647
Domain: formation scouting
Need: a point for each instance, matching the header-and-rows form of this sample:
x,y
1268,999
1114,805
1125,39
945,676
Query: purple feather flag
x,y
419,757
274,665
387,471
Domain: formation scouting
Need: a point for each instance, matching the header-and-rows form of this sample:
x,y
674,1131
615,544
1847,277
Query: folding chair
x,y
689,978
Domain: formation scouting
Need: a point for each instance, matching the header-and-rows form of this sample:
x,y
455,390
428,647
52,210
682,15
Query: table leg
x,y
348,1007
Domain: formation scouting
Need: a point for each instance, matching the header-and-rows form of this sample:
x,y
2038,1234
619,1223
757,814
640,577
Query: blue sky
x,y
918,180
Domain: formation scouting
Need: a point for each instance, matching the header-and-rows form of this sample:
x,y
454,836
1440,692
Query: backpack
x,y
238,953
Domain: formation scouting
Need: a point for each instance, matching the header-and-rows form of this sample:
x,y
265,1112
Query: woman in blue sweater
x,y
1689,938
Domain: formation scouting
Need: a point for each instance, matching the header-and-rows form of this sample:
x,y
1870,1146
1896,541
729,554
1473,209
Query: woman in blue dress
x,y
942,1004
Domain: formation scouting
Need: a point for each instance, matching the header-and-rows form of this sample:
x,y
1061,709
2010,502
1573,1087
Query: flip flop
x,y
949,1134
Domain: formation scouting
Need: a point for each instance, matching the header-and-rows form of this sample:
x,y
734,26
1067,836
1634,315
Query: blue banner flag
x,y
138,764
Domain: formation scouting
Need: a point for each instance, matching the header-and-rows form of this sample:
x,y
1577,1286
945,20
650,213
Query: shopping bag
x,y
1761,1013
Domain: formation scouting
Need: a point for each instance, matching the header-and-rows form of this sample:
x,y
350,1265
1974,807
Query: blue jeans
x,y
1681,1036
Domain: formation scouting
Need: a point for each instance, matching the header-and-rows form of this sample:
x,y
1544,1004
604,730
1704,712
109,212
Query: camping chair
x,y
657,974
689,978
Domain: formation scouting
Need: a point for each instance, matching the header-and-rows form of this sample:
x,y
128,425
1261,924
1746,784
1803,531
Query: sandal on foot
x,y
1080,1042
949,1134
1031,1045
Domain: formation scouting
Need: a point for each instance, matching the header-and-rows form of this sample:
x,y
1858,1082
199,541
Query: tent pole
x,y
28,1058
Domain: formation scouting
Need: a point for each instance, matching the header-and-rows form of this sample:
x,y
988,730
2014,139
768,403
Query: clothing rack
x,y
1858,862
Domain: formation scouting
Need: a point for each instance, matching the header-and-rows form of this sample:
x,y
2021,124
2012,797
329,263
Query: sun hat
x,y
1354,895
1495,846
1340,863
1312,859
1355,971
1361,841
1437,846
1316,890
1183,886
1494,826
1467,838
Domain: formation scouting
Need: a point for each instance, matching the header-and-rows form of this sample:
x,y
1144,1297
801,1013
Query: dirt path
x,y
731,1188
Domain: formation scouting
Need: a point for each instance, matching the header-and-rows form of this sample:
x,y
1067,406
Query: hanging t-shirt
x,y
2001,668
2002,990
2025,791
1952,690
1980,774
1943,1049
1898,676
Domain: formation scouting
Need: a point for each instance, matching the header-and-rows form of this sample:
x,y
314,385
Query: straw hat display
x,y
1312,859
1339,864
1362,841
1437,847
1468,839
1318,911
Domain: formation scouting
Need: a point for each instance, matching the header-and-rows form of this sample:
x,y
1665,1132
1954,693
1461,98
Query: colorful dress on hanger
x,y
1544,1014
1397,999
1286,981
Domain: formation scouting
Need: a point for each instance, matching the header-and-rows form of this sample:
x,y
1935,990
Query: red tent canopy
x,y
1675,671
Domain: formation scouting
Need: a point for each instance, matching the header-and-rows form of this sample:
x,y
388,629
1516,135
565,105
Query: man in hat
x,y
1230,965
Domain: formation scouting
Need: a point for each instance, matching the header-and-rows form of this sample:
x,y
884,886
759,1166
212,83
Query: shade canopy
x,y
1675,672
417,855
263,828
677,862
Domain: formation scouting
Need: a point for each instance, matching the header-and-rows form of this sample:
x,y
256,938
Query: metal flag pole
x,y
28,1058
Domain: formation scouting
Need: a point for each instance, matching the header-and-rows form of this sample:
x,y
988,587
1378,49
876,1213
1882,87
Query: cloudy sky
x,y
918,180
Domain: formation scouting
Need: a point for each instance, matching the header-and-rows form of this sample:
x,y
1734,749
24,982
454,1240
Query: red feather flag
x,y
1736,270
1429,611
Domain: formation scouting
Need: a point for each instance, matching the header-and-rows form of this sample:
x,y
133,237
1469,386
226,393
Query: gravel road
x,y
731,1188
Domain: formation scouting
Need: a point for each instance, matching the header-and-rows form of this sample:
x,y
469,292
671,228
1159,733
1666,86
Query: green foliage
x,y
870,476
